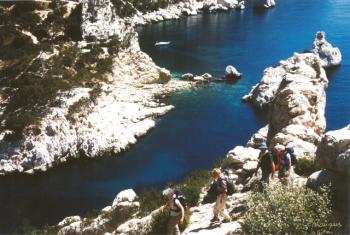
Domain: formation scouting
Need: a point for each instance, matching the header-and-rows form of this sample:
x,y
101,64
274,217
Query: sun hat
x,y
263,146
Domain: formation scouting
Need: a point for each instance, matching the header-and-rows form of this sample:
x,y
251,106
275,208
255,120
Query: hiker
x,y
221,188
266,164
284,167
177,212
277,153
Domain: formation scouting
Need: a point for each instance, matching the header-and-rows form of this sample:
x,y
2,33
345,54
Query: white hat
x,y
167,191
279,146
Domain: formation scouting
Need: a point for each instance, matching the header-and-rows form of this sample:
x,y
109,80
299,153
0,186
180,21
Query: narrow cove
x,y
207,121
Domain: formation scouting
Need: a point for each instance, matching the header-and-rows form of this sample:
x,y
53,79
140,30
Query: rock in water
x,y
264,3
329,55
231,73
187,76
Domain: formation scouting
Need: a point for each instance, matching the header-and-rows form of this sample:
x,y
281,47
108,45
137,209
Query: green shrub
x,y
306,167
192,186
150,200
289,210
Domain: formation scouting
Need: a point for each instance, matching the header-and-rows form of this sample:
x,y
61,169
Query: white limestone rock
x,y
127,195
239,156
294,91
264,3
187,76
329,55
69,220
231,73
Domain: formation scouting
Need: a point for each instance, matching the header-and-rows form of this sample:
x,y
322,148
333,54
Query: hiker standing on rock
x,y
220,205
177,212
266,164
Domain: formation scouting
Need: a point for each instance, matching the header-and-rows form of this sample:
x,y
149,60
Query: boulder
x,y
231,73
228,3
187,76
127,195
334,150
259,137
207,76
239,156
329,55
320,178
264,3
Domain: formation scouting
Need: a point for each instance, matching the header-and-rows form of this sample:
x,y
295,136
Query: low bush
x,y
289,210
150,200
306,167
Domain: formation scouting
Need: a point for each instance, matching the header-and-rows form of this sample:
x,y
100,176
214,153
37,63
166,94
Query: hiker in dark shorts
x,y
220,205
266,164
177,212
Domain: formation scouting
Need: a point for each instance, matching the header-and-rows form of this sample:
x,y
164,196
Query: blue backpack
x,y
180,195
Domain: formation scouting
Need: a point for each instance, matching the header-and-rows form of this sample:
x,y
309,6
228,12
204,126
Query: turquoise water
x,y
207,121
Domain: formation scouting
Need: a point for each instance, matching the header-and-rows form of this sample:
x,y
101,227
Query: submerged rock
x,y
329,55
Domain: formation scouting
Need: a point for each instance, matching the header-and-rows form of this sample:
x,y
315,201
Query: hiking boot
x,y
214,219
226,220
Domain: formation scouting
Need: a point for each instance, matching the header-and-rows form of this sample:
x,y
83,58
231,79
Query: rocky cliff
x,y
104,114
299,97
294,92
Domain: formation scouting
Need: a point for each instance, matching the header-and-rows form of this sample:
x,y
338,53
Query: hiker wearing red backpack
x,y
282,163
220,205
177,211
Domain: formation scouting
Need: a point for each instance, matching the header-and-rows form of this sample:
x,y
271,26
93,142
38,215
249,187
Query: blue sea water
x,y
206,123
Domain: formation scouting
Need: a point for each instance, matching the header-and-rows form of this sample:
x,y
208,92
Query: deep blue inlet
x,y
206,123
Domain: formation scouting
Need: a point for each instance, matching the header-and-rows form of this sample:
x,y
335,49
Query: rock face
x,y
264,3
99,20
297,112
124,205
329,55
294,91
333,153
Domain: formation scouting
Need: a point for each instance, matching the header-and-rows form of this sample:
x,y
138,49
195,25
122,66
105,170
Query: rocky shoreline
x,y
135,75
297,117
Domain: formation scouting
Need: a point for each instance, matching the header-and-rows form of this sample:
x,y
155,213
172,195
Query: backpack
x,y
180,195
230,186
293,156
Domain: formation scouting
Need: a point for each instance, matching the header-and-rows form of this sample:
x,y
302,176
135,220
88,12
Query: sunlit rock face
x,y
294,93
100,21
